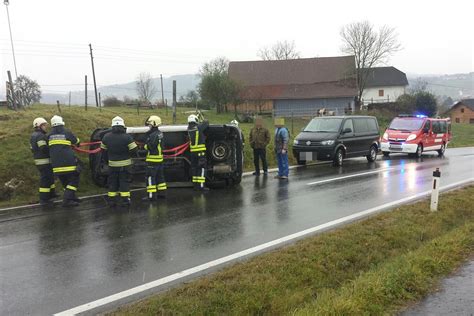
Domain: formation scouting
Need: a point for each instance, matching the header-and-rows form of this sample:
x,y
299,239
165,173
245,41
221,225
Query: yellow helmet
x,y
153,120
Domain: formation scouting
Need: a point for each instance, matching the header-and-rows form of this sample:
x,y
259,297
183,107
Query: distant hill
x,y
184,83
457,86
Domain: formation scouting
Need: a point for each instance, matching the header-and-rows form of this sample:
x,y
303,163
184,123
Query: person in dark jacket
x,y
155,176
118,146
63,160
39,148
197,147
259,139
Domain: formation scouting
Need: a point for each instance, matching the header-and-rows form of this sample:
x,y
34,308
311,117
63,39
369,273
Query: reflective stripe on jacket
x,y
118,145
197,137
62,156
39,147
153,146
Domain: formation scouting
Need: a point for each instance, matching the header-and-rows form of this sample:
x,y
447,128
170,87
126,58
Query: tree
x,y
112,101
279,51
27,91
426,103
216,87
146,90
370,48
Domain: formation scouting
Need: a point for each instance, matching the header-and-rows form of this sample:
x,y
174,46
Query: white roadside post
x,y
435,190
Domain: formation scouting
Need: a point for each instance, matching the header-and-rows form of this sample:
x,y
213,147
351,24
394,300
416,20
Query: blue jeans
x,y
282,164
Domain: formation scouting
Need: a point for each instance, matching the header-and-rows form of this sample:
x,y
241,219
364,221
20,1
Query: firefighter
x,y
39,147
118,146
63,160
155,177
197,138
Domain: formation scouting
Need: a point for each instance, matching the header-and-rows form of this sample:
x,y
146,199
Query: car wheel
x,y
419,151
386,153
372,156
338,157
220,151
442,150
301,162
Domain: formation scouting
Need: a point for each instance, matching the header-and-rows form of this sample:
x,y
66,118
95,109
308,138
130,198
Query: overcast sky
x,y
51,37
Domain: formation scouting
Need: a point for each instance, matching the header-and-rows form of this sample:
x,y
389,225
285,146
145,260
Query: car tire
x,y
301,162
386,153
338,157
442,150
372,156
419,151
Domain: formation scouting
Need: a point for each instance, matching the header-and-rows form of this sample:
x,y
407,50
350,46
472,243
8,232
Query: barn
x,y
298,87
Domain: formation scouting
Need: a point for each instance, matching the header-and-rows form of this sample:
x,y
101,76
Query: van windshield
x,y
324,125
404,124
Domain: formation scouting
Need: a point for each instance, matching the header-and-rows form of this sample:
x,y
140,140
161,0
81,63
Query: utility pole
x,y
100,103
12,90
162,93
7,2
86,94
93,76
174,101
69,98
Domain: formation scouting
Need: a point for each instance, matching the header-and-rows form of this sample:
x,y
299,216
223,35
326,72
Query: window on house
x,y
471,121
462,110
381,93
457,120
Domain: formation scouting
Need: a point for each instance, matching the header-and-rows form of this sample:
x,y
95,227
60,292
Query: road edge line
x,y
279,241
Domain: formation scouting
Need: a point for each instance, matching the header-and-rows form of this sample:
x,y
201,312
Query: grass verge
x,y
369,267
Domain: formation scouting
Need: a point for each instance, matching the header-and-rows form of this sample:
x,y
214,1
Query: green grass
x,y
463,135
375,266
15,129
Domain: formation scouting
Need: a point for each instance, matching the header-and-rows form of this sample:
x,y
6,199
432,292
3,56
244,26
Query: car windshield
x,y
323,125
406,124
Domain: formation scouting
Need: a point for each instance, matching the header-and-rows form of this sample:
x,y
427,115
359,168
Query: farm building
x,y
462,111
384,85
299,87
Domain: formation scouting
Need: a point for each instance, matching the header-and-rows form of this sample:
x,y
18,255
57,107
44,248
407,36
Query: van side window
x,y
436,127
426,128
360,125
444,126
348,124
372,125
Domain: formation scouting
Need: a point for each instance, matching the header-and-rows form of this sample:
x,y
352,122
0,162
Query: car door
x,y
348,139
429,137
362,136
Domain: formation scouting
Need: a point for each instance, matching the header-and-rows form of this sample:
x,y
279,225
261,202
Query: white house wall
x,y
391,93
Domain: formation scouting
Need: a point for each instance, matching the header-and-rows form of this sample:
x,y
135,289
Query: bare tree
x,y
370,48
146,90
279,51
27,91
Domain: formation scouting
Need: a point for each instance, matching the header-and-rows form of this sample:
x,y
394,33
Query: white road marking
x,y
350,176
179,275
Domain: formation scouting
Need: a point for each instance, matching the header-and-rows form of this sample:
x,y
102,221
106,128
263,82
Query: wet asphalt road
x,y
52,260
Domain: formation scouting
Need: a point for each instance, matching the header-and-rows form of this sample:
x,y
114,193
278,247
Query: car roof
x,y
346,116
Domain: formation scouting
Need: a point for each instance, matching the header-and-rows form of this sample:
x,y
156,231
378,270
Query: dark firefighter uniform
x,y
155,176
197,147
39,147
64,162
118,146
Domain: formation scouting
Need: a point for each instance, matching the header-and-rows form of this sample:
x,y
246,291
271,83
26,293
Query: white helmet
x,y
118,121
154,121
38,122
57,121
192,118
235,122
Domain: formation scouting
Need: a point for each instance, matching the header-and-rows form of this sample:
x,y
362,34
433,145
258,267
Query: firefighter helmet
x,y
153,121
118,121
38,122
192,118
57,121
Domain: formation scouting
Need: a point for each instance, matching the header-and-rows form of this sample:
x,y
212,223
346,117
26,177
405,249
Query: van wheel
x,y
419,151
338,157
386,153
372,156
442,150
